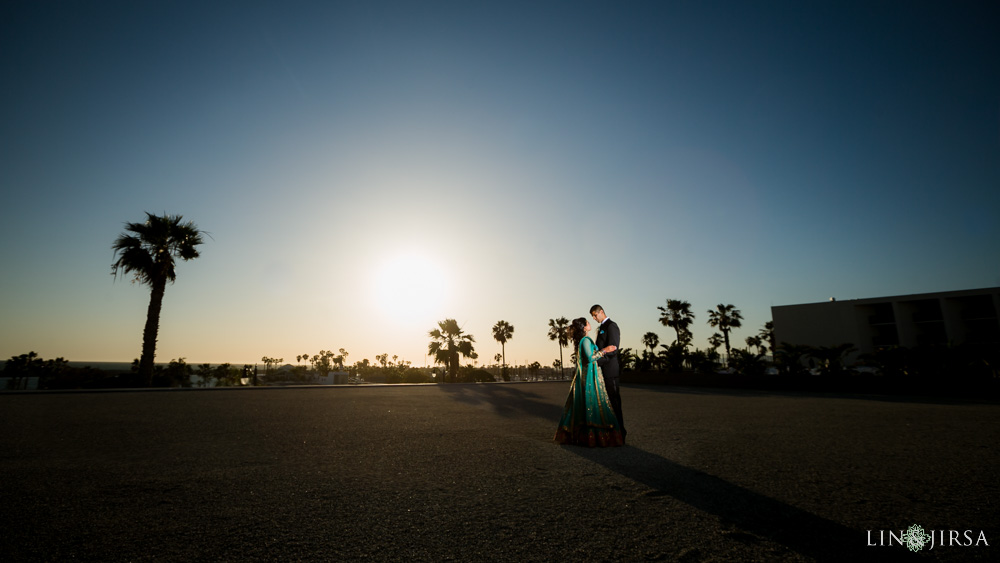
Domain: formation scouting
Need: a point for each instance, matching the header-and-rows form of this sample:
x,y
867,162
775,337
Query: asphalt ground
x,y
470,472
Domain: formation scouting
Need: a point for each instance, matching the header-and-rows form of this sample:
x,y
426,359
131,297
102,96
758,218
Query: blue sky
x,y
501,160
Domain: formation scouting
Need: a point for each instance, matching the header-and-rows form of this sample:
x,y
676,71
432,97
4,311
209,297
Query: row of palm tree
x,y
678,315
149,252
449,342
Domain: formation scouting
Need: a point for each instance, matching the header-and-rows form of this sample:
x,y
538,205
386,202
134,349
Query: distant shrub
x,y
746,362
474,375
969,361
52,374
417,376
704,362
672,359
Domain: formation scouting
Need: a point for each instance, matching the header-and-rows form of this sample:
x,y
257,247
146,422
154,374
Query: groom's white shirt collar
x,y
606,319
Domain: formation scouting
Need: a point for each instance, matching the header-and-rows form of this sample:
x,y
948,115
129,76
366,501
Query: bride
x,y
588,419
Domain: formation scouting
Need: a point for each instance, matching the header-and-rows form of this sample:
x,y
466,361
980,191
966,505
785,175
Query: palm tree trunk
x,y
562,368
150,332
725,334
503,361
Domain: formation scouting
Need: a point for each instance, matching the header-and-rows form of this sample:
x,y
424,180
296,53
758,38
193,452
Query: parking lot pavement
x,y
470,472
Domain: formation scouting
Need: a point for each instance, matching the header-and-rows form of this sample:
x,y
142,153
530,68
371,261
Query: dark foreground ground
x,y
469,472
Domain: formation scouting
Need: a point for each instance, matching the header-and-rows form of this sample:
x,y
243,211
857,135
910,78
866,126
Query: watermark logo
x,y
915,538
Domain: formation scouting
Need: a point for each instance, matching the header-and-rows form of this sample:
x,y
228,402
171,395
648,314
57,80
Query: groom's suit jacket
x,y
608,335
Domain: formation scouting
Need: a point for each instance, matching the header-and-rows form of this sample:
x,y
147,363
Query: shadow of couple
x,y
758,515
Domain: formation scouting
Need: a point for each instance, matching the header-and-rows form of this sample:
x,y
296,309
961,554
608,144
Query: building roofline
x,y
909,297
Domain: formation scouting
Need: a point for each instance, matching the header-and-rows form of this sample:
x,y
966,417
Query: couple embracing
x,y
593,413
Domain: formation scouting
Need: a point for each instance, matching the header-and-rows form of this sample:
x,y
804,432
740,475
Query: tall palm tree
x,y
725,318
148,252
678,316
502,332
450,342
559,331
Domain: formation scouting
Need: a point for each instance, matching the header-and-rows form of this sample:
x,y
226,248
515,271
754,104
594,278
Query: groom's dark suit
x,y
608,335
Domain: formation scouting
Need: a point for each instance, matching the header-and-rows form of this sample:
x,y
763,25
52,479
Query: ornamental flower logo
x,y
915,538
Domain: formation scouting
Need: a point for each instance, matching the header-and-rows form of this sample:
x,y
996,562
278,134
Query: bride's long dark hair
x,y
577,331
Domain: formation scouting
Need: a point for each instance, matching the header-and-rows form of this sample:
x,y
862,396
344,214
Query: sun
x,y
410,287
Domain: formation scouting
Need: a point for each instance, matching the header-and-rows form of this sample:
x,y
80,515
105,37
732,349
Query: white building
x,y
952,317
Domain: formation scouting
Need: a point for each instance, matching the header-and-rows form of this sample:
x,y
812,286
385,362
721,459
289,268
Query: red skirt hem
x,y
590,437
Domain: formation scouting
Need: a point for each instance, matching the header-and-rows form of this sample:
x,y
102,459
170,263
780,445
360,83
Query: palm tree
x,y
147,251
502,332
790,358
725,318
758,343
745,362
650,340
678,316
767,335
715,341
449,343
831,358
559,331
649,360
626,358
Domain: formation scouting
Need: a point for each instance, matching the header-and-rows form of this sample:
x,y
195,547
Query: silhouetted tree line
x,y
677,356
58,374
18,369
148,251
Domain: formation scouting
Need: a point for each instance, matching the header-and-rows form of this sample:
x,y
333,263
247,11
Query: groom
x,y
608,336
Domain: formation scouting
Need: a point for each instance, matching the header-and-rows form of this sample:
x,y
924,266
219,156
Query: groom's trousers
x,y
610,372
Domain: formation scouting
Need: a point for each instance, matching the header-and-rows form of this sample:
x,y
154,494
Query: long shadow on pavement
x,y
507,400
794,528
861,396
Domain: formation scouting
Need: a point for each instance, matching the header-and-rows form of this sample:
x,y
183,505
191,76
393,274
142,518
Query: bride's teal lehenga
x,y
588,419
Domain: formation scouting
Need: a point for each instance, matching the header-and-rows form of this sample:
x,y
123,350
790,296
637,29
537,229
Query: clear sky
x,y
366,169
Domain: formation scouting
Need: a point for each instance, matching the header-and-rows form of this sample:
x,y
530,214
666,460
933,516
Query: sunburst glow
x,y
410,287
